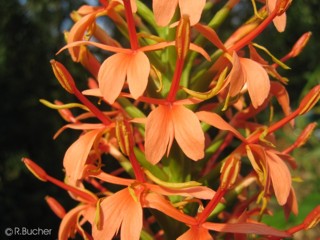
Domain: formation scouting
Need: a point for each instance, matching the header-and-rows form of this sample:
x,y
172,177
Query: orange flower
x,y
164,10
124,208
171,121
271,170
251,73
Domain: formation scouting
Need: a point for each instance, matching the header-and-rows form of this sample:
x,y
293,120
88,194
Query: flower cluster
x,y
171,145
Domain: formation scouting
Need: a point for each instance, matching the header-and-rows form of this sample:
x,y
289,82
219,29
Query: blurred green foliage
x,y
31,33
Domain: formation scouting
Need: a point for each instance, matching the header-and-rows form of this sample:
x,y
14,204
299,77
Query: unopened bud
x,y
229,172
306,133
124,135
309,100
312,219
55,206
300,44
183,37
37,171
63,76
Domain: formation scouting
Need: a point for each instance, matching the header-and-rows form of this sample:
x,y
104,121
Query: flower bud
x,y
183,37
55,206
312,219
309,100
124,135
300,44
63,76
229,171
37,171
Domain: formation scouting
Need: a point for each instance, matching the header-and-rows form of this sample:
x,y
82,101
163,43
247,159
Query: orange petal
x,y
118,209
280,92
236,76
76,155
68,224
257,80
191,8
196,232
280,177
215,120
188,132
77,33
163,11
256,228
197,192
159,133
279,21
156,201
112,75
138,73
211,35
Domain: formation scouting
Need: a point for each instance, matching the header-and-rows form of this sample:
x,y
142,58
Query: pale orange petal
x,y
132,223
137,73
211,35
280,92
236,76
76,155
192,8
188,132
256,228
163,11
159,134
280,177
291,205
215,120
77,33
200,192
118,209
257,80
156,201
68,224
279,21
112,75
196,233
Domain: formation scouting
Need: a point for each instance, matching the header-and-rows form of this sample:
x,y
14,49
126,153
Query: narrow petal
x,y
196,233
236,76
257,80
200,192
280,177
188,132
112,75
255,228
77,33
163,11
215,120
211,35
68,224
192,8
138,73
76,155
156,201
159,133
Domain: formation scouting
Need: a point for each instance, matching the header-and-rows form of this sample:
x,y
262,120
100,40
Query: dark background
x,y
30,35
